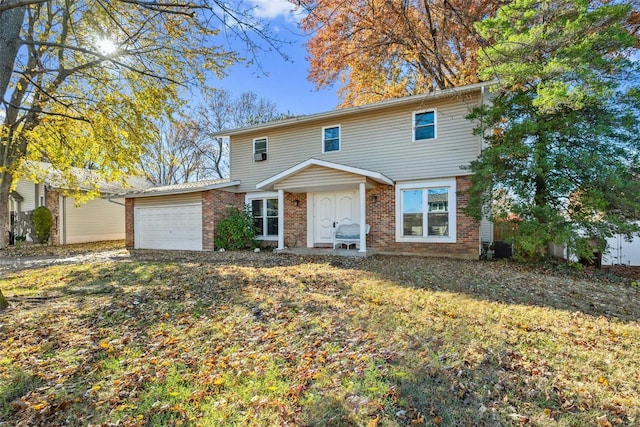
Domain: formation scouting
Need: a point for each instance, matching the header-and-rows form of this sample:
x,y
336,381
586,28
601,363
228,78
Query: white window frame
x,y
425,185
266,146
435,125
248,198
339,139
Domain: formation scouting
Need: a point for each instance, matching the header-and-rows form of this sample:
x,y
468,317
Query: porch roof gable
x,y
269,183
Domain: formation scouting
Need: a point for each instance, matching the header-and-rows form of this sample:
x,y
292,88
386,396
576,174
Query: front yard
x,y
222,339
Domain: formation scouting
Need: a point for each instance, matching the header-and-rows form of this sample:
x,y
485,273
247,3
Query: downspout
x,y
109,199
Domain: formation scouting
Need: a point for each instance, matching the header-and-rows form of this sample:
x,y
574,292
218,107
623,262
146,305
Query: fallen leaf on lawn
x,y
39,406
603,421
18,405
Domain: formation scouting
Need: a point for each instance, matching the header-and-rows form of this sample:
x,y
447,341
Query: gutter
x,y
114,202
437,94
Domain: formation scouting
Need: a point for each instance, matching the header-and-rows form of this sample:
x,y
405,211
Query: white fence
x,y
621,251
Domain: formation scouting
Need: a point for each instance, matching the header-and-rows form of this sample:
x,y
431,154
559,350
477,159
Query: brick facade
x,y
52,201
295,220
381,216
214,207
381,213
129,242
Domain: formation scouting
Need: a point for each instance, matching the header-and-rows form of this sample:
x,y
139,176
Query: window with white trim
x,y
424,125
426,212
330,139
259,149
264,211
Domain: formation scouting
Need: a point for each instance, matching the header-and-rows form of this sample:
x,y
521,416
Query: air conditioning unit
x,y
259,157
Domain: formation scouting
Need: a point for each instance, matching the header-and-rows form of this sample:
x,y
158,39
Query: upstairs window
x,y
330,139
259,149
424,125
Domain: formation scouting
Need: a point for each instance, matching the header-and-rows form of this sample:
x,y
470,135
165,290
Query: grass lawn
x,y
239,339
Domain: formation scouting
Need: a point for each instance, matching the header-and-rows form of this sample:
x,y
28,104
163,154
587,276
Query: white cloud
x,y
270,9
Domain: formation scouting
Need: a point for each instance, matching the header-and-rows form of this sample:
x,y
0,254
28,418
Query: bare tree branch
x,y
6,5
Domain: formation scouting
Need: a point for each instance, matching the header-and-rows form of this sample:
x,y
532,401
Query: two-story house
x,y
394,167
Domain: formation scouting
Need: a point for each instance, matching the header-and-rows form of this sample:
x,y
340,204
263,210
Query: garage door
x,y
172,226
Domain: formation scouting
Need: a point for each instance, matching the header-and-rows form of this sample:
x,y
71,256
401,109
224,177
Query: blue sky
x,y
283,82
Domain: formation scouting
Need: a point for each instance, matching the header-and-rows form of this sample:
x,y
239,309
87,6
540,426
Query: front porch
x,y
323,196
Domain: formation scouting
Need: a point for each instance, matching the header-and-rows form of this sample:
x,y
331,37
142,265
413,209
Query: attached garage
x,y
174,217
172,222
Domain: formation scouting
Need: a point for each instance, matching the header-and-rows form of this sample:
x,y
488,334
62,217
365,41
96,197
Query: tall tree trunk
x,y
10,26
5,187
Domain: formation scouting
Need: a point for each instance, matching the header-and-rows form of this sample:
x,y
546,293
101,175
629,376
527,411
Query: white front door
x,y
332,209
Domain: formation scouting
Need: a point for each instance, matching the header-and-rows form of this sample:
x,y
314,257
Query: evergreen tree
x,y
562,131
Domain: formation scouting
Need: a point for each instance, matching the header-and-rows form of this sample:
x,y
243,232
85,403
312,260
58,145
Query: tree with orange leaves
x,y
380,49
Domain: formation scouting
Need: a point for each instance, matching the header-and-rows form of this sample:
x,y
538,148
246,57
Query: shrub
x,y
42,221
236,231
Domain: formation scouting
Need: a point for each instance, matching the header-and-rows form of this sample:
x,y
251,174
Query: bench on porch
x,y
348,234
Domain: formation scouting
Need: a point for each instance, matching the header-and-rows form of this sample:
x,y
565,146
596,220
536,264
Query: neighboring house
x,y
396,166
99,219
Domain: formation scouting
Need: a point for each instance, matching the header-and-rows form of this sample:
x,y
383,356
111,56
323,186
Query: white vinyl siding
x,y
486,230
27,190
311,177
94,221
380,141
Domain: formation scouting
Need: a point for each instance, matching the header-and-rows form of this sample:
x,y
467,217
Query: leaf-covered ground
x,y
230,339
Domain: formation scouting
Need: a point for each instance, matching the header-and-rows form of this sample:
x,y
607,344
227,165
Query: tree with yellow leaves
x,y
84,81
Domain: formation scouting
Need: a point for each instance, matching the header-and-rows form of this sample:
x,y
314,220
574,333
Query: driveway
x,y
13,263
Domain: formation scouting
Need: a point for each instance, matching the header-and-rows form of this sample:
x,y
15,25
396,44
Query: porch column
x,y
280,219
363,218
